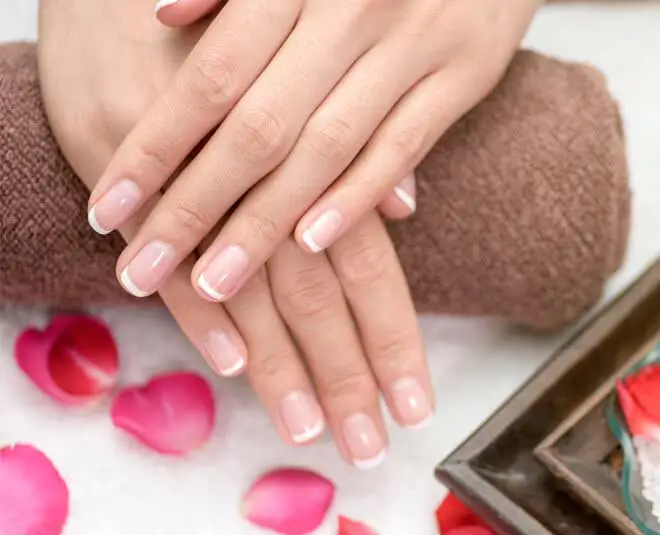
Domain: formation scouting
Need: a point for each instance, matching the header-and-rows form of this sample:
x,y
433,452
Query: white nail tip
x,y
423,424
93,222
164,3
405,198
234,370
309,241
309,434
208,290
128,285
368,464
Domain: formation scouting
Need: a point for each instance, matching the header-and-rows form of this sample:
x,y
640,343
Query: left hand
x,y
308,112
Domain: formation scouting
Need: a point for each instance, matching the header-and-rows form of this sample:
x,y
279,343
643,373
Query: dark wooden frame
x,y
500,470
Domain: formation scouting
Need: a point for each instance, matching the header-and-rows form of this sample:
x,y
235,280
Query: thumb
x,y
177,13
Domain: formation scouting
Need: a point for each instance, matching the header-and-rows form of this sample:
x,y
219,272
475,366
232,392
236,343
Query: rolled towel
x,y
523,205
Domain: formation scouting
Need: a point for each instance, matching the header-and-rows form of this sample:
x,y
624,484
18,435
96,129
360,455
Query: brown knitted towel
x,y
523,206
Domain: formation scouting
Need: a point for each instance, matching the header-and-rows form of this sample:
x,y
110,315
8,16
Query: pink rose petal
x,y
289,501
639,421
172,413
351,527
74,360
34,499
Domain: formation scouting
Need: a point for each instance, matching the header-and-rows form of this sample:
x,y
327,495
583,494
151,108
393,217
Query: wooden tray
x,y
513,471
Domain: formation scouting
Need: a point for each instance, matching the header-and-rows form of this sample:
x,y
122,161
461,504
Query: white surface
x,y
118,488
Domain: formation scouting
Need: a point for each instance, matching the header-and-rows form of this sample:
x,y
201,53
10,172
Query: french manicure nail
x,y
302,416
148,269
322,231
227,359
411,403
164,3
114,207
224,272
364,442
405,192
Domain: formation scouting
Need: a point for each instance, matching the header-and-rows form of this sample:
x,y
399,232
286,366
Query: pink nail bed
x,y
323,230
148,269
224,272
364,441
114,207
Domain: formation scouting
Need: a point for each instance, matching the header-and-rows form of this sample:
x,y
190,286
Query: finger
x,y
311,302
374,284
206,325
396,148
227,59
276,371
330,140
253,139
184,12
401,202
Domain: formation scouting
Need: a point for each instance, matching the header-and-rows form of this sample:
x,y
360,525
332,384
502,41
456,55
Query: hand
x,y
308,112
349,311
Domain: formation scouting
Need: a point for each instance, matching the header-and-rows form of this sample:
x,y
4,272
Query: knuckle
x,y
393,350
363,262
264,226
259,135
348,382
211,81
308,293
152,159
408,145
273,363
191,216
331,140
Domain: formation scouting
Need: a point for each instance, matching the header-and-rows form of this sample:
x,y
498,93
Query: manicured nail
x,y
224,273
164,3
411,403
321,233
405,192
225,356
302,416
148,269
366,446
114,207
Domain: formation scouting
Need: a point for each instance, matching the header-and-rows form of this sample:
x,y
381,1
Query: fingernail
x,y
164,3
366,446
114,207
411,403
148,269
321,233
302,416
227,359
224,273
405,192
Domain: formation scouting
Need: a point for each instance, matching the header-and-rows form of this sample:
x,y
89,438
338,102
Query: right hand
x,y
349,311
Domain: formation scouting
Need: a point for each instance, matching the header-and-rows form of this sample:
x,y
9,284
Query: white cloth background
x,y
119,488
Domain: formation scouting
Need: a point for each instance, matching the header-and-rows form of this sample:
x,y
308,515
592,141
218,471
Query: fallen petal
x,y
640,423
470,530
74,360
453,513
34,499
290,501
171,414
351,527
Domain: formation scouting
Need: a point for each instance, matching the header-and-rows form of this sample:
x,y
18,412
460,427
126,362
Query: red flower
x,y
639,399
455,518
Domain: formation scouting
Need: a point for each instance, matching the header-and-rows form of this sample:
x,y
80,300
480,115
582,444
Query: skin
x,y
334,330
306,141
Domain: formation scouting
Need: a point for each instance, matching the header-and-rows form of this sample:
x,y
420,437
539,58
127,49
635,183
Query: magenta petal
x,y
74,360
172,414
351,527
34,499
289,501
